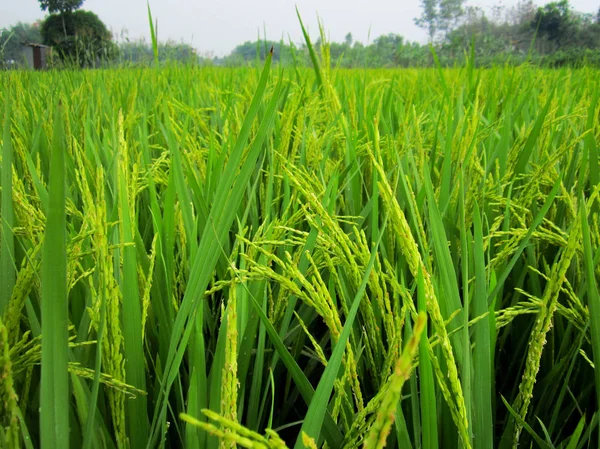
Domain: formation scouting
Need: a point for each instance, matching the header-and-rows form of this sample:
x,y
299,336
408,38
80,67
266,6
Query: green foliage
x,y
554,20
209,253
439,16
508,36
235,257
54,385
389,50
7,240
60,6
11,40
140,52
553,36
428,18
153,34
79,37
249,52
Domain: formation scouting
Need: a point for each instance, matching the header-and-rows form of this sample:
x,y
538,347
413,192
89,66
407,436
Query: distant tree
x,y
428,18
384,51
140,52
85,38
247,52
357,56
61,7
450,12
177,51
554,20
348,40
522,13
440,16
565,38
474,26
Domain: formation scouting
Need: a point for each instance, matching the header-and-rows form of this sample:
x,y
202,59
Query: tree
x,y
450,12
554,21
428,18
85,40
385,50
62,7
140,52
348,40
440,16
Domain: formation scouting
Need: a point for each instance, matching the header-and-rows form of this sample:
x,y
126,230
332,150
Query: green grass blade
x,y
482,364
153,36
311,50
593,297
526,151
7,242
54,385
402,435
539,440
465,255
136,416
590,144
576,436
330,430
450,299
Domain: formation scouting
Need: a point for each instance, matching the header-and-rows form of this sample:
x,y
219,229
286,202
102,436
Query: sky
x,y
215,27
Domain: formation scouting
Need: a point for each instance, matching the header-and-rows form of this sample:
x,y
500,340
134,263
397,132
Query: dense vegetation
x,y
79,38
554,35
12,38
190,256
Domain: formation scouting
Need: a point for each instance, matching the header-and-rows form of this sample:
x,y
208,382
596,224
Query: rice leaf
x,y
54,385
7,243
593,297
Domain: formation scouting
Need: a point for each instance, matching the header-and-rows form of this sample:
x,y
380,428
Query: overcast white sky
x,y
219,25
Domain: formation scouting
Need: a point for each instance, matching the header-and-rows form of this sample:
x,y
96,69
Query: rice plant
x,y
307,258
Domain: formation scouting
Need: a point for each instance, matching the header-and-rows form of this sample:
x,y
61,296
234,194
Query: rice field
x,y
269,258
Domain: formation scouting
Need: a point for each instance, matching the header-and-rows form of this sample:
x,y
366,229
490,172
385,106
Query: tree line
x,y
552,35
